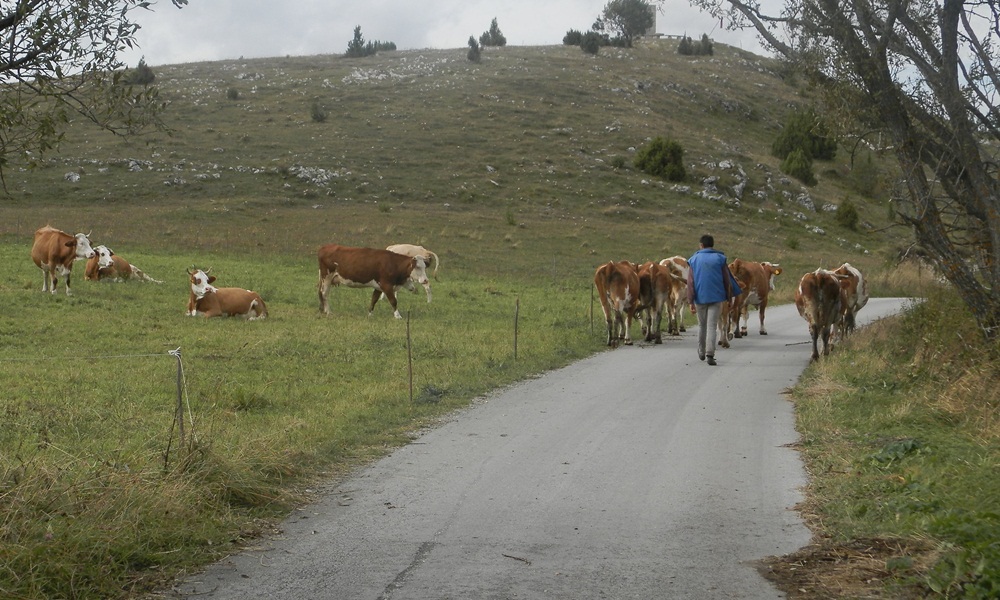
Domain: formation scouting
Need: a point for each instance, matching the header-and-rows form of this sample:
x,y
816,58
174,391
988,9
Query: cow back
x,y
365,264
819,297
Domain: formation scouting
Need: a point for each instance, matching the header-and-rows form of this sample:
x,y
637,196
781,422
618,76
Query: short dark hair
x,y
707,241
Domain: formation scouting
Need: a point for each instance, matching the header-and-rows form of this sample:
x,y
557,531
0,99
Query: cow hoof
x,y
658,341
762,332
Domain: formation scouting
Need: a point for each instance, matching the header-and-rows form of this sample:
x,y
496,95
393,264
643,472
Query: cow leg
x,y
390,295
656,324
763,306
626,322
46,278
427,288
826,341
814,334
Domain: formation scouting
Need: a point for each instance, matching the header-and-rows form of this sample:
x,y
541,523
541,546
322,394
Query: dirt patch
x,y
859,569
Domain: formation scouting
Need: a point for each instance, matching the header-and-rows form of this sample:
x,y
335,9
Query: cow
x,y
383,270
819,299
756,280
678,265
108,266
209,301
855,297
618,289
729,316
429,259
659,287
54,252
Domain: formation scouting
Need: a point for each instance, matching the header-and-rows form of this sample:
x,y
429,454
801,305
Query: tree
x,y
493,37
627,18
474,54
60,58
356,47
662,158
923,76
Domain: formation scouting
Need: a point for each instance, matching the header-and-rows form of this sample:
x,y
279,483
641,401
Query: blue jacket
x,y
710,280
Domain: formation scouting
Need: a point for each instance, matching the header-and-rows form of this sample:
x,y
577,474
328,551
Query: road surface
x,y
638,473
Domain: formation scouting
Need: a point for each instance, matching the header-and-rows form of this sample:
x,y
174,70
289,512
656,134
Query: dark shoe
x,y
711,360
701,356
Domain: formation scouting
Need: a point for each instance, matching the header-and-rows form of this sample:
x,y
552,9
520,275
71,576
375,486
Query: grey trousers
x,y
708,327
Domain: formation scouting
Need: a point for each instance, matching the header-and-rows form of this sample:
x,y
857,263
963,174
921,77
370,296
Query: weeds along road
x,y
638,473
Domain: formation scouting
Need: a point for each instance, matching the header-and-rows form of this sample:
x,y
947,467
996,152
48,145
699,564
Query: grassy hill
x,y
516,171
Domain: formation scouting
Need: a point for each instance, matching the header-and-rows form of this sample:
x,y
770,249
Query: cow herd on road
x,y
628,291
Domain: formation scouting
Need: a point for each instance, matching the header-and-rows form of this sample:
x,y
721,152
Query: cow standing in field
x,y
678,265
429,259
757,280
618,289
383,270
855,289
108,266
819,299
54,252
209,301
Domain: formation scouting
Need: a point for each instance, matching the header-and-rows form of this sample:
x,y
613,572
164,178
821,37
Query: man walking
x,y
710,286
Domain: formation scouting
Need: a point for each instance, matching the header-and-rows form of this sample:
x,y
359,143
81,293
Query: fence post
x,y
180,394
517,310
409,354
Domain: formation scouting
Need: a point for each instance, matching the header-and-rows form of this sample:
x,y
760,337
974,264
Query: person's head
x,y
707,241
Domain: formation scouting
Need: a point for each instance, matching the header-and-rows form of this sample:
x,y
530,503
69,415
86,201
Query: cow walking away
x,y
108,266
855,288
55,251
383,270
757,281
678,265
658,290
206,300
429,257
618,289
819,299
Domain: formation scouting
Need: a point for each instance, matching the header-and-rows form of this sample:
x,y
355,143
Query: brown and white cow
x,y
618,289
383,270
659,287
108,266
757,281
209,301
54,252
819,298
678,265
855,289
429,259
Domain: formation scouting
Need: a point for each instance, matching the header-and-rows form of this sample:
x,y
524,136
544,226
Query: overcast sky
x,y
207,30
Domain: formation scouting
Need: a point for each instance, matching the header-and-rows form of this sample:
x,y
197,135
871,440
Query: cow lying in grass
x,y
209,301
108,266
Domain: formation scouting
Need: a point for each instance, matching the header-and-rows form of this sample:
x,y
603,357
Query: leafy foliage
x,y
847,214
591,42
662,158
573,37
805,131
799,165
627,19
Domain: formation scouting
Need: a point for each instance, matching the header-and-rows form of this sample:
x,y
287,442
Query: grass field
x,y
516,171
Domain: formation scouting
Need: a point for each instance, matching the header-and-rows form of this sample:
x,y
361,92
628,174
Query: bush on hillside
x,y
847,214
799,165
687,47
662,158
591,42
864,177
358,47
572,38
805,131
141,75
493,37
474,55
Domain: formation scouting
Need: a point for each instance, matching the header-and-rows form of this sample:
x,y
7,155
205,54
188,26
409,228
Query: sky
x,y
209,30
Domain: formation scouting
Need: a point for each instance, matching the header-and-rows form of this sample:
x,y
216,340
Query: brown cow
x,y
679,268
855,297
108,266
383,270
756,280
209,301
659,287
819,299
429,259
618,288
54,252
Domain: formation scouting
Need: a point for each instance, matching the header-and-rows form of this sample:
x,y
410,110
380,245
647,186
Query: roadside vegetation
x,y
516,170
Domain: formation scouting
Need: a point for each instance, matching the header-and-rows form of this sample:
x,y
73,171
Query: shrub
x,y
687,47
864,177
805,131
572,38
474,54
318,112
141,75
662,158
618,162
591,42
799,165
847,214
233,94
493,37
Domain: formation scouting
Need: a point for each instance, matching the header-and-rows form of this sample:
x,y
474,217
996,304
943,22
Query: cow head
x,y
201,282
772,270
419,272
82,245
104,255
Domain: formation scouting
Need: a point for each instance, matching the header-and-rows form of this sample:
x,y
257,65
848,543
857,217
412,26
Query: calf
x,y
54,252
429,259
106,265
855,289
759,280
618,289
209,301
819,298
383,270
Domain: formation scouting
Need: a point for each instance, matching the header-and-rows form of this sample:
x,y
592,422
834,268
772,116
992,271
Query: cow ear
x,y
211,278
71,243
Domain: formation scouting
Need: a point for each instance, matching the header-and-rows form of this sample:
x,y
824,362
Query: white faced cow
x,y
54,252
855,288
429,259
209,301
108,266
383,270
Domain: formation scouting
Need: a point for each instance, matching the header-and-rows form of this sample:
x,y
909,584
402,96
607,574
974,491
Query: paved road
x,y
638,473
